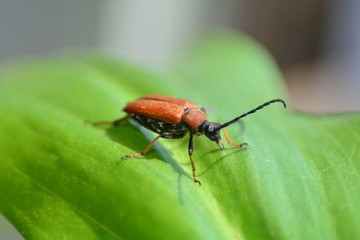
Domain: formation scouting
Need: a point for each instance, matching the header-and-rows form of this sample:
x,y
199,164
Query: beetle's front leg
x,y
230,142
191,148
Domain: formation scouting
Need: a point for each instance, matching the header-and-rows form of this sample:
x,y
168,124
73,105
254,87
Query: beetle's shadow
x,y
128,136
135,139
228,151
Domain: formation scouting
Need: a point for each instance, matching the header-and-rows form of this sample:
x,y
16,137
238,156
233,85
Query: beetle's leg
x,y
144,151
114,123
147,148
230,142
191,148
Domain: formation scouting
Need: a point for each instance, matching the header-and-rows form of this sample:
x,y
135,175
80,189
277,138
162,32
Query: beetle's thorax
x,y
194,118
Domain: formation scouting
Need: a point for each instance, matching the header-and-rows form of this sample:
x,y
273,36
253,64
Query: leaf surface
x,y
60,178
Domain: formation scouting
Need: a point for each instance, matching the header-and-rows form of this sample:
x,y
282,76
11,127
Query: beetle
x,y
173,118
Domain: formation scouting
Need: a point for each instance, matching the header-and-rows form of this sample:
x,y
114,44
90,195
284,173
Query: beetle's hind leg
x,y
230,142
114,123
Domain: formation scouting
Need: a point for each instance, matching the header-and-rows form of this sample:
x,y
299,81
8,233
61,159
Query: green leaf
x,y
61,178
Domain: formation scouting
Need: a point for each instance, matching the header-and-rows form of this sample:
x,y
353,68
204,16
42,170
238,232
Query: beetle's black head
x,y
212,131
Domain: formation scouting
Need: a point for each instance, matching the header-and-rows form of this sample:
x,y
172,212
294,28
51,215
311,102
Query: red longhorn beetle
x,y
173,118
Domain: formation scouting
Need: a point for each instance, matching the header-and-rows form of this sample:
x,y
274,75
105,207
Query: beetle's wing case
x,y
164,111
159,116
164,108
165,114
167,99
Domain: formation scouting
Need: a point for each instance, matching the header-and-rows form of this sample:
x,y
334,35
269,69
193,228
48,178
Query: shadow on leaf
x,y
228,151
132,137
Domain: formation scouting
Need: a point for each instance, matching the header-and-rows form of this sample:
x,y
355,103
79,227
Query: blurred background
x,y
315,42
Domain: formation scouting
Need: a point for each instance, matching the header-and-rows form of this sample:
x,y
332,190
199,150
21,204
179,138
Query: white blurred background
x,y
315,42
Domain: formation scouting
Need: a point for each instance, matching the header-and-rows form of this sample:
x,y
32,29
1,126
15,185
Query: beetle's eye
x,y
213,127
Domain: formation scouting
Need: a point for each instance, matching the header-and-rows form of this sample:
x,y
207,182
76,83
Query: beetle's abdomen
x,y
159,126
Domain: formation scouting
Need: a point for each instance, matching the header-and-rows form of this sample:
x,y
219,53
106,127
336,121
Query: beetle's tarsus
x,y
220,144
132,156
240,145
197,181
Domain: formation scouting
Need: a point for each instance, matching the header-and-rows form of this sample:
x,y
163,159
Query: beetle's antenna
x,y
252,111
